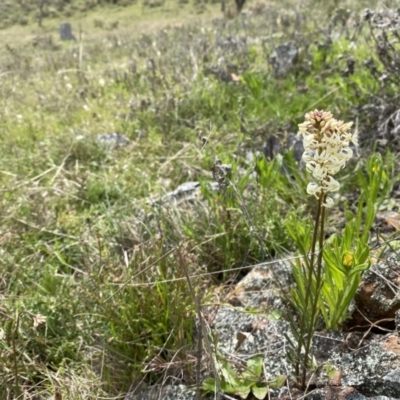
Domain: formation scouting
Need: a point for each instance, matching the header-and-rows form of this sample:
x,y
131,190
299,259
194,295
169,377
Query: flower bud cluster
x,y
327,149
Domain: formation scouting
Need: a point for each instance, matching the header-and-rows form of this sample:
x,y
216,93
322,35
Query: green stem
x,y
318,286
308,289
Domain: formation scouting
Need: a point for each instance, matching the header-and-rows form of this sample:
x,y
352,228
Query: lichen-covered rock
x,y
188,191
261,288
378,297
370,365
350,366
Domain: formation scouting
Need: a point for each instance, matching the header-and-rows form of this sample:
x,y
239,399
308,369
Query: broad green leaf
x,y
226,387
209,384
242,391
260,392
275,315
255,364
278,382
229,374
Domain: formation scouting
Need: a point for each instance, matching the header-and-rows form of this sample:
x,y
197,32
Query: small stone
x,y
283,58
113,140
66,31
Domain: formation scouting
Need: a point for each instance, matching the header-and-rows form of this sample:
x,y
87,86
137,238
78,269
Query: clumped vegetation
x,y
95,293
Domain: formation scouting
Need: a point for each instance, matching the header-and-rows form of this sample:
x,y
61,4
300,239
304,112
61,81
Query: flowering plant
x,y
329,273
327,149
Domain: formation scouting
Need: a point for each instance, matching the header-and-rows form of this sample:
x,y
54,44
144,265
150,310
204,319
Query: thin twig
x,y
133,277
203,334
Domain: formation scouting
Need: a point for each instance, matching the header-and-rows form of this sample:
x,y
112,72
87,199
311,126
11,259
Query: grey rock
x,y
370,369
261,287
368,365
278,144
383,398
246,334
378,296
387,18
356,396
66,31
283,58
167,392
188,191
341,393
393,376
113,140
365,367
243,332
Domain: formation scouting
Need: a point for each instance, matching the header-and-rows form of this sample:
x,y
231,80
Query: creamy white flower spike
x,y
326,150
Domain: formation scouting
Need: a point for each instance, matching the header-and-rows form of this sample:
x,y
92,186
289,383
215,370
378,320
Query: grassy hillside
x,y
27,12
93,283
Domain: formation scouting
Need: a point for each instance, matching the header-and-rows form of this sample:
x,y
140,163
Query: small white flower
x,y
354,139
330,185
313,189
328,202
319,172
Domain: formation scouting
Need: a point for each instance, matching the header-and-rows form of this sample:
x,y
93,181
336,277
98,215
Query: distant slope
x,y
19,28
28,12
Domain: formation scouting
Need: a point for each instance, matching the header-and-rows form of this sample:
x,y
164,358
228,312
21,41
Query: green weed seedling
x,y
330,370
242,383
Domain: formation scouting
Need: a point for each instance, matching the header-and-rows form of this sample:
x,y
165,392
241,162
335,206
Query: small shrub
x,y
98,23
